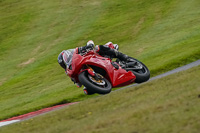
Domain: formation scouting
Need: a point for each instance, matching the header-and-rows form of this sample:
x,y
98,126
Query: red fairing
x,y
117,77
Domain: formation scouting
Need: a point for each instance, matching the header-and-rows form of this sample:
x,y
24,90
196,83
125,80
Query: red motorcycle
x,y
100,74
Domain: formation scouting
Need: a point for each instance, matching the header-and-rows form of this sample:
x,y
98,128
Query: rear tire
x,y
141,75
92,87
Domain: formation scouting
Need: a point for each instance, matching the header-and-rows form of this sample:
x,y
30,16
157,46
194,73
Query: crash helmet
x,y
65,58
60,60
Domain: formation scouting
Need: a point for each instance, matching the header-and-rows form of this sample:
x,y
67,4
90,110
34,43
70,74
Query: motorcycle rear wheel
x,y
91,86
141,75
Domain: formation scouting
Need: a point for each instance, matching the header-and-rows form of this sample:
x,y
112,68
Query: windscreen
x,y
67,57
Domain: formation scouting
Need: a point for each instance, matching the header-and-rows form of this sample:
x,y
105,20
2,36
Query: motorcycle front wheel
x,y
101,86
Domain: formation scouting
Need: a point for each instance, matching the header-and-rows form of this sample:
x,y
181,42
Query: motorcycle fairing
x,y
117,77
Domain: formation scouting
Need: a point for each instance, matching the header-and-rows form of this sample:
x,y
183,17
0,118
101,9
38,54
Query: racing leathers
x,y
65,57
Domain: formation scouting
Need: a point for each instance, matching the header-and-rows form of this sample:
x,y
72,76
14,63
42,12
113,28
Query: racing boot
x,y
87,91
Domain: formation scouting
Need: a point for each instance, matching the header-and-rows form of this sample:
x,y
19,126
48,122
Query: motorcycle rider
x,y
107,50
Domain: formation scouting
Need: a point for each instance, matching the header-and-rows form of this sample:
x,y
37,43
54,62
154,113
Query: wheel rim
x,y
98,81
139,66
142,69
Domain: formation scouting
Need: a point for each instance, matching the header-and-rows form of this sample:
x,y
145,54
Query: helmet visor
x,y
67,57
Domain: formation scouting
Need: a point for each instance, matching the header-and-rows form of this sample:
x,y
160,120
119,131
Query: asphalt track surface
x,y
46,110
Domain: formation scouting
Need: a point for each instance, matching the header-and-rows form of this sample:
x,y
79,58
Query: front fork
x,y
91,71
97,77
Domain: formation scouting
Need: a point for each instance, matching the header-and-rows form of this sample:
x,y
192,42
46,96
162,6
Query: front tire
x,y
91,86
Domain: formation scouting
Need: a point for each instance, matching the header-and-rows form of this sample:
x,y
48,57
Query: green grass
x,y
170,104
162,34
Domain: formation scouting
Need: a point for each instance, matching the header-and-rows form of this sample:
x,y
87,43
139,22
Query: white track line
x,y
8,122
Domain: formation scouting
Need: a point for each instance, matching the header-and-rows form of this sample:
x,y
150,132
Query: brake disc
x,y
97,81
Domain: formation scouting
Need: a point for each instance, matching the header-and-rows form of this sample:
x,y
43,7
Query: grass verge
x,y
169,104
